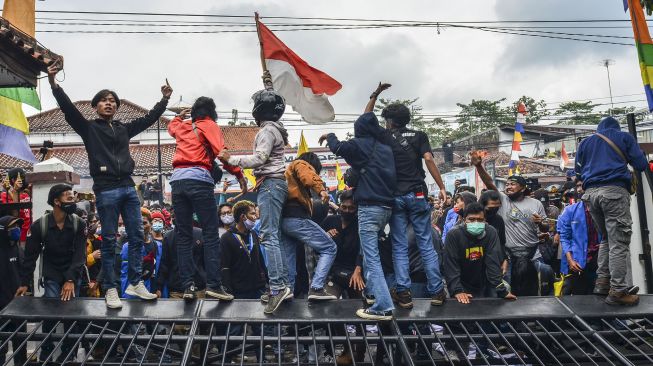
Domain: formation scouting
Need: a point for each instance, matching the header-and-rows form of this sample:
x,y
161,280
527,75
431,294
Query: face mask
x,y
69,207
492,211
348,216
98,231
249,224
122,231
157,227
227,219
14,234
475,228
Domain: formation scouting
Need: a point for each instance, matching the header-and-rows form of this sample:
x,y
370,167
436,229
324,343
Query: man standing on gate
x,y
602,165
409,147
111,166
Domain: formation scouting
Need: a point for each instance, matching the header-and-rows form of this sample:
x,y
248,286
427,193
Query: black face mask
x,y
515,196
348,216
491,212
69,207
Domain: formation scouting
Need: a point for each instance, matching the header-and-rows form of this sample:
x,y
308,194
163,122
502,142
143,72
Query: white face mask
x,y
227,219
122,231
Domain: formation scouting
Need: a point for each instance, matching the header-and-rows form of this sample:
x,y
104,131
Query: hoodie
x,y
268,160
598,165
377,184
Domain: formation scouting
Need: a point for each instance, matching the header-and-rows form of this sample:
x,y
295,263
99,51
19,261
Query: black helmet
x,y
268,105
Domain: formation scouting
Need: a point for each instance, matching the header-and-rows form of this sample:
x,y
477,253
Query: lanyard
x,y
249,248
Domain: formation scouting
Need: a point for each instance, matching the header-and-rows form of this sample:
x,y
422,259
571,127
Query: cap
x,y
518,179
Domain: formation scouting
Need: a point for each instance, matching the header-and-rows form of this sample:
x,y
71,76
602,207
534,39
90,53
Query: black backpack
x,y
352,175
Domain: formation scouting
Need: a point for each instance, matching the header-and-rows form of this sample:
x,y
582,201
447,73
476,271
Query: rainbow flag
x,y
517,139
644,46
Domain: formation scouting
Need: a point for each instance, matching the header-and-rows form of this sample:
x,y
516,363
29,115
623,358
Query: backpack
x,y
43,227
352,175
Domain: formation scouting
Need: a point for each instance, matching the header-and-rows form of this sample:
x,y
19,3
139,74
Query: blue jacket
x,y
572,226
597,164
449,222
377,185
150,283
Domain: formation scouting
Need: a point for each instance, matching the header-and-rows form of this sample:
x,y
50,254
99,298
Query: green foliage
x,y
578,113
438,130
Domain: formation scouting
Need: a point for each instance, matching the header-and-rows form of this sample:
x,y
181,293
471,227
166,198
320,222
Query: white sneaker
x,y
112,299
140,291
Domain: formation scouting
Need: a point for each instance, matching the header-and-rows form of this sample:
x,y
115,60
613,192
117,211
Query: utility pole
x,y
607,63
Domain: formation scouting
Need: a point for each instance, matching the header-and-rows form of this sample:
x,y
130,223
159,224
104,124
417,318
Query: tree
x,y
480,115
648,5
536,109
577,113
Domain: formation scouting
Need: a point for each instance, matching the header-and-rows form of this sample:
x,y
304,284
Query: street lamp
x,y
607,63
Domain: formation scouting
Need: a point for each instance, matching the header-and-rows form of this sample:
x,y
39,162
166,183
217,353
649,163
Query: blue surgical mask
x,y
249,224
14,234
157,227
475,228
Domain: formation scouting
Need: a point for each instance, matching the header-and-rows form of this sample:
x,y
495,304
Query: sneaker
x,y
266,297
112,299
190,293
220,293
438,299
140,291
320,294
276,300
402,298
633,290
374,315
602,286
621,298
369,299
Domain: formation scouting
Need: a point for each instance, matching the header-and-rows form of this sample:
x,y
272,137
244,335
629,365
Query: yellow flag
x,y
250,176
303,146
11,114
21,14
341,179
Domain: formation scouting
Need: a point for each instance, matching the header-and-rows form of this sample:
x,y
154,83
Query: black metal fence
x,y
578,330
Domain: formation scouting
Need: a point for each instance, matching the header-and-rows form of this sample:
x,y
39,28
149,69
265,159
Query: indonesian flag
x,y
564,158
304,87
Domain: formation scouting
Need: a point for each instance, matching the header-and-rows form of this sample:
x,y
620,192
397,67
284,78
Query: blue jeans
x,y
409,208
371,220
296,231
193,196
52,289
111,204
272,194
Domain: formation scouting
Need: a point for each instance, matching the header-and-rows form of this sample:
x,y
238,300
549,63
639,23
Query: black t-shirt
x,y
497,223
347,241
420,143
408,159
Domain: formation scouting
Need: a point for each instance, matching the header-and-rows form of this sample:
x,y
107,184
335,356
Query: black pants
x,y
580,283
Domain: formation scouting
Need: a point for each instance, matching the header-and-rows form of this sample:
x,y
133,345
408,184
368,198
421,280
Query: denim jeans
x,y
297,231
371,220
409,208
272,194
112,203
52,289
193,196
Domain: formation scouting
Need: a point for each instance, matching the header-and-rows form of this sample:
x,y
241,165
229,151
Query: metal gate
x,y
578,330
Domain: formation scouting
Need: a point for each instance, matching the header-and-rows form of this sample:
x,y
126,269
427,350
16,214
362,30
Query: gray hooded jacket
x,y
268,158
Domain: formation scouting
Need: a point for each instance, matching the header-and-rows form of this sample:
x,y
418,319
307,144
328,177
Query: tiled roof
x,y
53,120
145,157
26,45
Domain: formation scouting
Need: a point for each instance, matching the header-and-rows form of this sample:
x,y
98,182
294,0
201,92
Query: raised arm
x,y
141,124
345,149
72,115
372,102
477,161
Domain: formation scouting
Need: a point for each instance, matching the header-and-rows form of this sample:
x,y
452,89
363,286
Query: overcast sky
x,y
457,65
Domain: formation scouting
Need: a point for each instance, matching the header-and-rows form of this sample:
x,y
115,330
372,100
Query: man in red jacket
x,y
199,141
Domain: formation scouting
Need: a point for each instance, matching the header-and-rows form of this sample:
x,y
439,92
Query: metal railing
x,y
577,330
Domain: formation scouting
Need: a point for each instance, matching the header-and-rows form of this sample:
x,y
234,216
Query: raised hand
x,y
475,158
166,90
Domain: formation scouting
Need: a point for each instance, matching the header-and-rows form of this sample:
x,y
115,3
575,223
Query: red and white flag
x,y
564,158
304,87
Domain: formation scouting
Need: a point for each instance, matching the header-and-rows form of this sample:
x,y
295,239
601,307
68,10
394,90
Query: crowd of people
x,y
383,240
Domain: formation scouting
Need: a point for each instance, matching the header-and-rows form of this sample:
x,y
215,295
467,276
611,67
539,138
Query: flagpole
x,y
267,78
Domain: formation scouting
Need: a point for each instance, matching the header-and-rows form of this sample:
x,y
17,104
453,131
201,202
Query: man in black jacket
x,y
60,239
374,195
111,166
10,228
472,259
169,267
